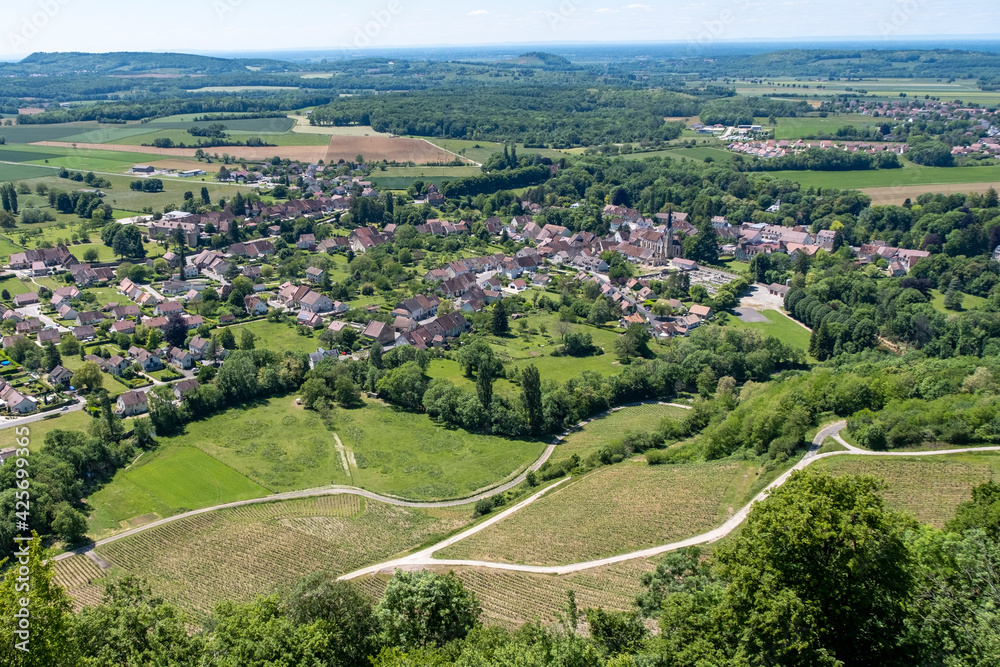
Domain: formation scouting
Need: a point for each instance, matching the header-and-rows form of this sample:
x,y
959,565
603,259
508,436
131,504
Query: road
x,y
21,421
424,559
349,490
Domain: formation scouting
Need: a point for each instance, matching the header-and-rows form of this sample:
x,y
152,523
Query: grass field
x,y
698,154
281,447
910,175
611,427
969,302
803,126
612,510
14,285
170,481
522,349
780,325
70,421
929,488
279,336
239,553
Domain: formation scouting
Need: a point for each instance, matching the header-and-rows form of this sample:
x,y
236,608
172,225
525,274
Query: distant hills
x,y
126,63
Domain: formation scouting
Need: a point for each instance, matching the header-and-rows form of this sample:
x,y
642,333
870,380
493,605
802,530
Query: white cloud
x,y
638,6
605,10
478,12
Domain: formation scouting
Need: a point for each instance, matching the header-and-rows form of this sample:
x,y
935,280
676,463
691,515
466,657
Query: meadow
x,y
166,482
779,325
279,336
969,302
612,426
239,553
37,430
929,488
612,510
910,175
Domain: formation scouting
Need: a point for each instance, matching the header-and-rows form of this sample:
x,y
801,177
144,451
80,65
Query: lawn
x,y
780,326
70,421
615,509
802,126
7,248
237,554
698,153
14,285
20,172
279,336
928,487
166,482
611,427
969,302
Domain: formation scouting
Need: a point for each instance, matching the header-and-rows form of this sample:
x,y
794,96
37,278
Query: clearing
x,y
610,427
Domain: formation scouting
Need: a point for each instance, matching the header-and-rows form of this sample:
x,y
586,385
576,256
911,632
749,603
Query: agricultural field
x,y
238,553
966,90
163,483
392,149
699,153
910,176
613,510
803,126
898,196
611,427
511,599
82,578
929,488
779,325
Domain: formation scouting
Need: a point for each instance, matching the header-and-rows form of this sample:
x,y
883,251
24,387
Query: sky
x,y
257,25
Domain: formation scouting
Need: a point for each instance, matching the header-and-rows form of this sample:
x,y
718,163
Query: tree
x,y
342,612
49,639
953,297
500,323
69,524
484,385
421,609
404,385
226,339
175,331
132,626
90,255
703,247
313,390
347,393
375,355
206,199
247,339
88,376
600,312
127,242
531,397
51,356
819,573
163,412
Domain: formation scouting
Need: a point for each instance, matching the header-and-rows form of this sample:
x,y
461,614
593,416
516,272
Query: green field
x,y
167,482
281,447
70,421
237,554
615,509
883,178
928,487
802,126
611,427
279,336
698,153
14,285
20,172
781,326
969,302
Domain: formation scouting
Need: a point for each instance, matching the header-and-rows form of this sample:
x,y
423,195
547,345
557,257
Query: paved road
x,y
21,421
425,559
349,490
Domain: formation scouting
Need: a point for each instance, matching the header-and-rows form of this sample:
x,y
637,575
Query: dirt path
x,y
343,455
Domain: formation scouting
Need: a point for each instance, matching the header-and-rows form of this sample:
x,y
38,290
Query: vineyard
x,y
238,553
613,510
611,427
510,599
928,488
78,575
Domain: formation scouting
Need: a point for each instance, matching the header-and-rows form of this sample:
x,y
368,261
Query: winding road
x,y
424,558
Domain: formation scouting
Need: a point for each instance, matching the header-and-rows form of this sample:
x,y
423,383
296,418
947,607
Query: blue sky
x,y
254,25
